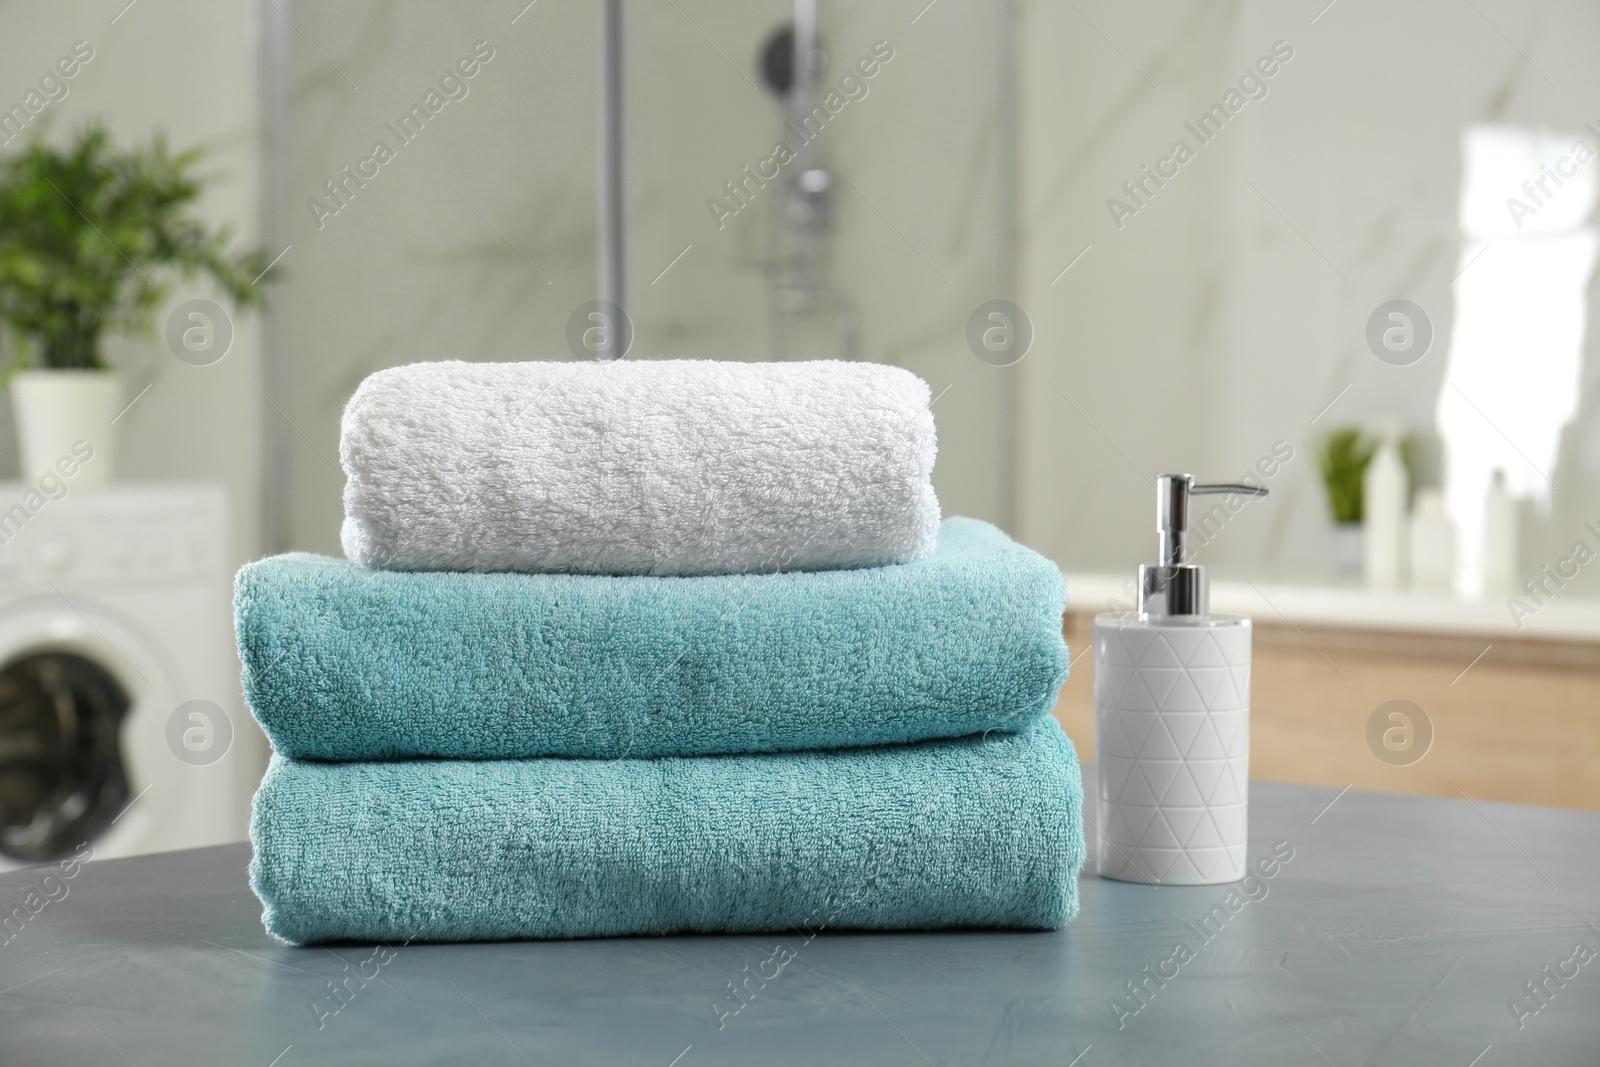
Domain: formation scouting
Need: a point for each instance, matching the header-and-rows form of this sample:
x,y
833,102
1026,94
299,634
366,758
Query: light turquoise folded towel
x,y
978,831
344,663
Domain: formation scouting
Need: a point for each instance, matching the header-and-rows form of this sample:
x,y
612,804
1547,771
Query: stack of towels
x,y
644,647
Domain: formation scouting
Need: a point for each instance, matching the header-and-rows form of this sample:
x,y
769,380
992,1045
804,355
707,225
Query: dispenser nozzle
x,y
1172,510
1174,586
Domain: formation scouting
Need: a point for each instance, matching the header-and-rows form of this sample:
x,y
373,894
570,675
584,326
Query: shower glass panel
x,y
862,214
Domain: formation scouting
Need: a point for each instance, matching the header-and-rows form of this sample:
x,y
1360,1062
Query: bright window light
x,y
1511,382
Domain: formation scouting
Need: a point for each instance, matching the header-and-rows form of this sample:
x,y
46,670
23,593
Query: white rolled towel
x,y
671,467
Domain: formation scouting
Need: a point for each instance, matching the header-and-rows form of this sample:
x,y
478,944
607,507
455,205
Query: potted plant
x,y
1342,458
90,238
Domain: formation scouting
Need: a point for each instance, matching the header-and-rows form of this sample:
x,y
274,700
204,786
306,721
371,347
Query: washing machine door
x,y
71,677
62,775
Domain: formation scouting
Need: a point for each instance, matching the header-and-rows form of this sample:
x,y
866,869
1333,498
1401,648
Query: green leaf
x,y
91,237
1342,458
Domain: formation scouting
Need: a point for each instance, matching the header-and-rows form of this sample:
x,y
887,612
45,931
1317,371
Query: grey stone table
x,y
1399,930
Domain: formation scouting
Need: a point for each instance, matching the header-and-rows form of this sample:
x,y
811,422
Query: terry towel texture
x,y
638,467
344,663
969,832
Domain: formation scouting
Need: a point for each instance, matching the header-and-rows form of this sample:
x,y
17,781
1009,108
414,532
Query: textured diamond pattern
x,y
1172,721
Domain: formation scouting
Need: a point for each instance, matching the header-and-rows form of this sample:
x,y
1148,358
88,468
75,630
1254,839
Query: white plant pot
x,y
1348,543
64,424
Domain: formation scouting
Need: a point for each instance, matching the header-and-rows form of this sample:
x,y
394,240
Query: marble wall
x,y
1226,314
477,239
1229,311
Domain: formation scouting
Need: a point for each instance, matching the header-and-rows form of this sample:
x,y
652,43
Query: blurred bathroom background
x,y
1376,241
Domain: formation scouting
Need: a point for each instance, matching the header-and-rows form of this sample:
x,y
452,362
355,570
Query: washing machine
x,y
122,724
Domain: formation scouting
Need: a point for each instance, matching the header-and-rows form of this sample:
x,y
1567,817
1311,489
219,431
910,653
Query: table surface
x,y
1399,932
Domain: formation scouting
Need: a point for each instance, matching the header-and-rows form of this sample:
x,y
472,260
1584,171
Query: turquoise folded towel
x,y
344,663
978,831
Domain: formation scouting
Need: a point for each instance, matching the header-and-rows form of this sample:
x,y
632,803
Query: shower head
x,y
777,61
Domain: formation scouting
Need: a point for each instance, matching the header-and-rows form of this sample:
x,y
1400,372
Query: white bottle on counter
x,y
1433,544
1383,505
1501,552
1172,718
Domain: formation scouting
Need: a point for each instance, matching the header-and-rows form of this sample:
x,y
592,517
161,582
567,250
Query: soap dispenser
x,y
1172,715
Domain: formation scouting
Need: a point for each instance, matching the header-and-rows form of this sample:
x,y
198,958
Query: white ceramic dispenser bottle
x,y
1172,717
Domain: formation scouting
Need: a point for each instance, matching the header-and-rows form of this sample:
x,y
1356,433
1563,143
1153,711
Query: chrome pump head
x,y
1175,587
